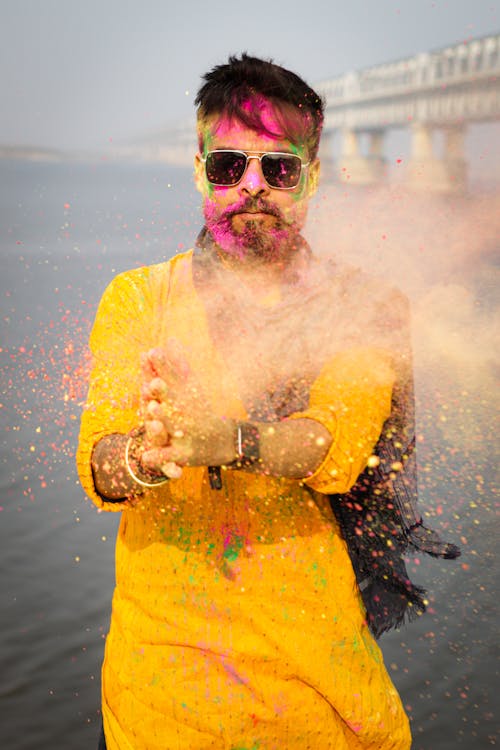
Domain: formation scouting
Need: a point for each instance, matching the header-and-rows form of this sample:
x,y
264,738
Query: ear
x,y
199,174
313,181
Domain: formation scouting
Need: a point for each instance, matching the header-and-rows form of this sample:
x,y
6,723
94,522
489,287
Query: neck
x,y
258,268
288,267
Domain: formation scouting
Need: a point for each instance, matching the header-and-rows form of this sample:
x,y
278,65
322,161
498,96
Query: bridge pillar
x,y
429,173
356,169
326,156
454,157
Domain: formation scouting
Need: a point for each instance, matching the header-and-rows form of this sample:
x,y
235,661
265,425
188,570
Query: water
x,y
65,231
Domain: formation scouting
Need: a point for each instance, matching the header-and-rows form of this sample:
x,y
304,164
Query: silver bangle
x,y
247,446
161,480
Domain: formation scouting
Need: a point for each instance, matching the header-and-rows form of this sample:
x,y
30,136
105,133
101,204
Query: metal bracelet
x,y
160,480
247,446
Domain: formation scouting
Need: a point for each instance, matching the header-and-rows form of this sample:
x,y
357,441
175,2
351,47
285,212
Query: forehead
x,y
233,134
266,131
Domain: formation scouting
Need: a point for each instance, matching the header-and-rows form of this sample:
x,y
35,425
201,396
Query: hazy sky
x,y
77,73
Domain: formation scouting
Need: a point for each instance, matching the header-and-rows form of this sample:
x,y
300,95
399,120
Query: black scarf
x,y
380,522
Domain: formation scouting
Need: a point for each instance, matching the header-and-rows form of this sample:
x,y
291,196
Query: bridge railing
x,y
454,64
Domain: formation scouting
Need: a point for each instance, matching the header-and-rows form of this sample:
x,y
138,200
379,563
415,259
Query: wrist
x,y
134,449
246,439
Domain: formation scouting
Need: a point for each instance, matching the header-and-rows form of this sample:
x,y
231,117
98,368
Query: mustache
x,y
253,205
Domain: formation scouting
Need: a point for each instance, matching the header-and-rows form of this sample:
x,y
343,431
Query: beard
x,y
263,242
266,239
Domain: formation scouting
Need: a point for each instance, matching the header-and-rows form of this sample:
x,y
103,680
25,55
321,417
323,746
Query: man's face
x,y
251,219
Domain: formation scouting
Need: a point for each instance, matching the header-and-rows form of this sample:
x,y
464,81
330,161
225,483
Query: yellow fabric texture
x,y
237,622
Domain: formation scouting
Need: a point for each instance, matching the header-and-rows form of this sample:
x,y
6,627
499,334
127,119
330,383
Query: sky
x,y
80,75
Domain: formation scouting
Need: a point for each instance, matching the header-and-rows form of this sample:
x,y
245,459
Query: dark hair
x,y
228,89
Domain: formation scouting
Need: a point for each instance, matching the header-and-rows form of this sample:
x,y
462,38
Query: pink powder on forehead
x,y
268,120
227,126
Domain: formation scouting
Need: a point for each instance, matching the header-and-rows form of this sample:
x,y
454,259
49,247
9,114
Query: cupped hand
x,y
180,426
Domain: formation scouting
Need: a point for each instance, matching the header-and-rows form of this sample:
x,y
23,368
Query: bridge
x,y
443,90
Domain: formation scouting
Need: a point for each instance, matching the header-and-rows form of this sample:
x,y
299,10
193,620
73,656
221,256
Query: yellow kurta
x,y
237,622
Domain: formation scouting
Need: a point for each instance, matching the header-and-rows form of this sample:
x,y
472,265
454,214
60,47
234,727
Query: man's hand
x,y
181,429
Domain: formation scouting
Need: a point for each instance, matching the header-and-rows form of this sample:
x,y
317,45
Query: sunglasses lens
x,y
281,170
225,167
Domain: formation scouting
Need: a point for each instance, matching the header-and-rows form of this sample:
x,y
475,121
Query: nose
x,y
253,182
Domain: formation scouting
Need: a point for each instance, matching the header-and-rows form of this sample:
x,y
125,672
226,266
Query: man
x,y
237,390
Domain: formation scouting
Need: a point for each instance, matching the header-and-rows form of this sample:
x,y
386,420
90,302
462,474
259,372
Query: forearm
x,y
292,448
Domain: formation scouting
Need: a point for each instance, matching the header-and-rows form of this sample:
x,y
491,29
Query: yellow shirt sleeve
x,y
118,337
352,399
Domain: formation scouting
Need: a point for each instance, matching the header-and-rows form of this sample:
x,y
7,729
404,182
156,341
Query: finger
x,y
147,368
156,432
158,389
146,392
155,410
155,361
154,458
165,412
171,470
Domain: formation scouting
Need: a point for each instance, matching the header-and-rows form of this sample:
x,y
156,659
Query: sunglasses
x,y
226,167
